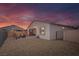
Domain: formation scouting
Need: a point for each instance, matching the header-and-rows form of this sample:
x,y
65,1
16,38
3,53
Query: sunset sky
x,y
23,14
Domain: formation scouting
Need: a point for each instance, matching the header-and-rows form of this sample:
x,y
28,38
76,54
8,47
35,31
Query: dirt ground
x,y
39,47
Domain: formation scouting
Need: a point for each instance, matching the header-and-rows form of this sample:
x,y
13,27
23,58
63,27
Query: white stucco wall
x,y
50,30
53,29
38,25
71,35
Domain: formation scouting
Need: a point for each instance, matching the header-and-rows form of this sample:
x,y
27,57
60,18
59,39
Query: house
x,y
49,31
11,29
6,32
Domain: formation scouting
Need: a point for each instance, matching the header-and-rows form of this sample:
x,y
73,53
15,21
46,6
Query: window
x,y
42,30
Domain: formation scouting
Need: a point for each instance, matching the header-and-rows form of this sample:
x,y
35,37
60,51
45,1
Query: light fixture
x,y
63,27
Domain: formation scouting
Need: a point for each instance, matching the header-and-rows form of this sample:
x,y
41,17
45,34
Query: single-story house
x,y
11,29
49,31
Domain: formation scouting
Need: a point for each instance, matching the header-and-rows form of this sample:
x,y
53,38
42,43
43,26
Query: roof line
x,y
9,26
53,24
31,24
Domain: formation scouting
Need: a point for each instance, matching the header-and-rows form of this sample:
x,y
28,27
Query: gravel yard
x,y
37,47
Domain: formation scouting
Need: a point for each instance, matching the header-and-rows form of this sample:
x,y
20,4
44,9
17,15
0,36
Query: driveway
x,y
39,47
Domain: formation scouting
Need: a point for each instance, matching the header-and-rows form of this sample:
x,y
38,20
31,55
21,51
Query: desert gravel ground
x,y
39,47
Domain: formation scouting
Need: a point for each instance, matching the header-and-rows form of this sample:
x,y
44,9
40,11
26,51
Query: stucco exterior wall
x,y
71,35
50,30
53,30
38,25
